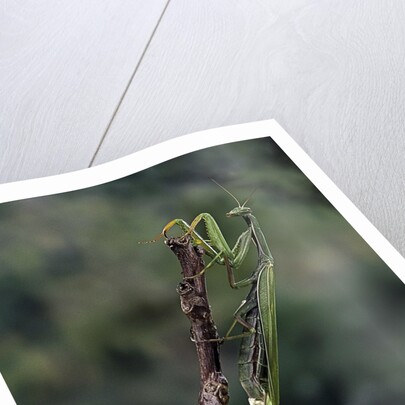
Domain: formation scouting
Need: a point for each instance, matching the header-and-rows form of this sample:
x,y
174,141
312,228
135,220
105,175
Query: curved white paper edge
x,y
135,162
5,395
199,140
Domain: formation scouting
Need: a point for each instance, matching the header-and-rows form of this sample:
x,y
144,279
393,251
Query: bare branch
x,y
194,304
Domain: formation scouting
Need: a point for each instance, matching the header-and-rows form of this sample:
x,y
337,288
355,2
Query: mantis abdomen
x,y
253,370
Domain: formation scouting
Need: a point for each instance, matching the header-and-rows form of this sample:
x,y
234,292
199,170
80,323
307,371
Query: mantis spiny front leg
x,y
215,246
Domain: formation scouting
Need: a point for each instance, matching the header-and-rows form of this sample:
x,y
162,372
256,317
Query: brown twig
x,y
194,304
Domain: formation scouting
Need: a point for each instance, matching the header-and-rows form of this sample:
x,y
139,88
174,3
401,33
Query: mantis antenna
x,y
223,188
250,196
241,206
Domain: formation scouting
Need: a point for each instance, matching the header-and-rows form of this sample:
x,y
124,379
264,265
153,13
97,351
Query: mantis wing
x,y
267,308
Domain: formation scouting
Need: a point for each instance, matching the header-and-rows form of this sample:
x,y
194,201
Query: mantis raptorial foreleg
x,y
215,246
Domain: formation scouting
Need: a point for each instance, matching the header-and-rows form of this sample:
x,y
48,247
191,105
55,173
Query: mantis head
x,y
239,211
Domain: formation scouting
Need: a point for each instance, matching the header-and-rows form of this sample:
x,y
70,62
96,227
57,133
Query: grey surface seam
x,y
128,85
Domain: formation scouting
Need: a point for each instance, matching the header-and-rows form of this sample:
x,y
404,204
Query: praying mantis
x,y
258,355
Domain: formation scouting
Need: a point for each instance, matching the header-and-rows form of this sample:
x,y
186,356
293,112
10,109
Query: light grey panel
x,y
64,66
330,72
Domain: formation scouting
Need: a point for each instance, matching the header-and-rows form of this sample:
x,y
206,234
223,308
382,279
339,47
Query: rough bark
x,y
194,304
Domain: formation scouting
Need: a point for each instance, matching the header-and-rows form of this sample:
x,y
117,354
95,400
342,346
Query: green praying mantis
x,y
258,355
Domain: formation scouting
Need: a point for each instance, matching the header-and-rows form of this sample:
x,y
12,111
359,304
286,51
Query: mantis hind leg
x,y
239,318
239,314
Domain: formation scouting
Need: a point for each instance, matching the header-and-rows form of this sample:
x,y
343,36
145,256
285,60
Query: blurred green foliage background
x,y
88,316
